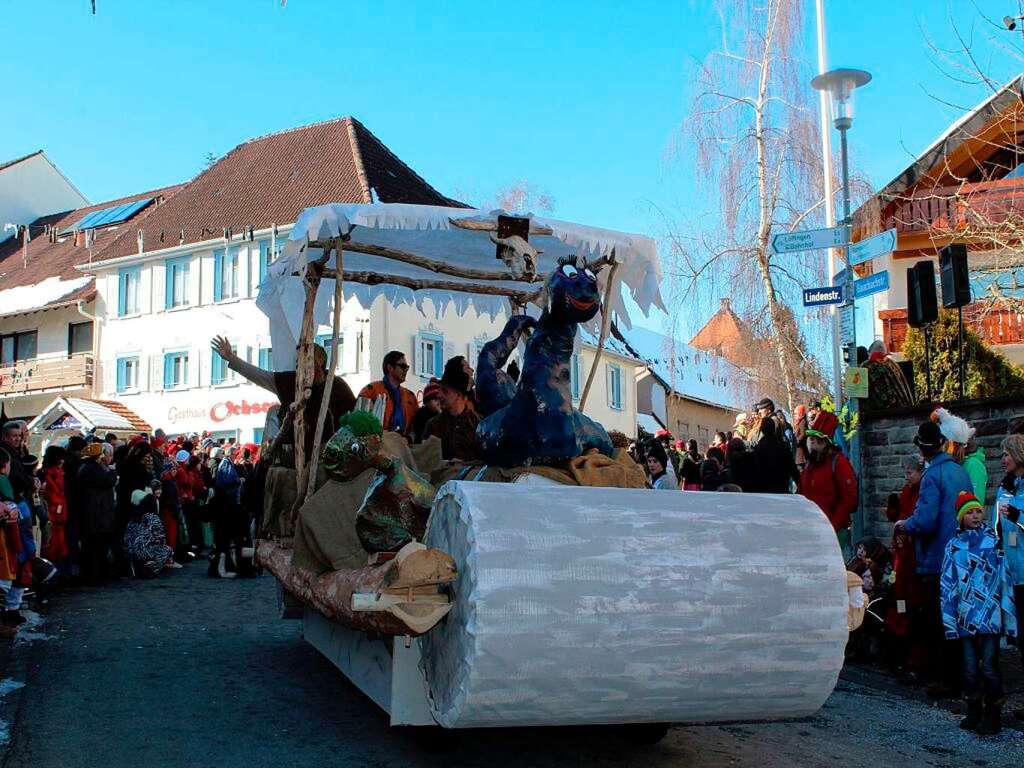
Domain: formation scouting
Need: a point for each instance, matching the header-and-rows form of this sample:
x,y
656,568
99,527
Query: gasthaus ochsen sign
x,y
818,297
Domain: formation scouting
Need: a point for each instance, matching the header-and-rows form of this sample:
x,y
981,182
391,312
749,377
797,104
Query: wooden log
x,y
433,265
486,225
362,598
339,284
606,319
374,278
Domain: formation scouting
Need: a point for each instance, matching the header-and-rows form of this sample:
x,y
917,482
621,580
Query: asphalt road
x,y
189,671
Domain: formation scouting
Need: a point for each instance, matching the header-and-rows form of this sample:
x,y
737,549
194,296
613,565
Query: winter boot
x,y
974,714
229,562
992,720
214,570
13,618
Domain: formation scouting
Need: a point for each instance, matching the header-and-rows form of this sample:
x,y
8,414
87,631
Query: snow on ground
x,y
7,686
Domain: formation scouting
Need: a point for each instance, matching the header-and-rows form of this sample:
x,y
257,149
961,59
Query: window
x,y
263,359
615,386
257,435
79,338
16,347
128,374
574,376
704,434
325,340
269,253
429,354
683,430
219,371
175,370
226,274
129,293
176,271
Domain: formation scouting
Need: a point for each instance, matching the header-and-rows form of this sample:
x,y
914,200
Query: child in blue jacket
x,y
977,607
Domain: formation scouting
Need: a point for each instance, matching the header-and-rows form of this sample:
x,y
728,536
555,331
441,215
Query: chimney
x,y
726,305
142,241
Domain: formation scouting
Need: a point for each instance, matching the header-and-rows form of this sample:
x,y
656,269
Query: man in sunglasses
x,y
400,405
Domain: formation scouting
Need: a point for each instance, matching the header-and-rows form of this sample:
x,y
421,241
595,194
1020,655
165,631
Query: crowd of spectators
x,y
945,592
98,508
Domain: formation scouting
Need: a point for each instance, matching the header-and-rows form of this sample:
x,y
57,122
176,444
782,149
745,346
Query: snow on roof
x,y
88,414
28,297
689,371
611,344
427,231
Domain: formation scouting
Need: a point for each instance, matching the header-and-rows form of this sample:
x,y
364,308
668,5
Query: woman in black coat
x,y
774,466
97,514
134,474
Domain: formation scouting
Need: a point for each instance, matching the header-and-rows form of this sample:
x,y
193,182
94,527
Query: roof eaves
x,y
357,159
23,158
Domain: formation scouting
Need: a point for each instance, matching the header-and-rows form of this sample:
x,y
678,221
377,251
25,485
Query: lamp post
x,y
840,85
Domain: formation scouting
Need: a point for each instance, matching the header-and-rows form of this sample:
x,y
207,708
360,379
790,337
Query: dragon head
x,y
355,447
572,294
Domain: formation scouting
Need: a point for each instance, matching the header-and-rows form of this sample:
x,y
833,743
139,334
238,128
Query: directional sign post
x,y
819,297
875,283
809,240
872,248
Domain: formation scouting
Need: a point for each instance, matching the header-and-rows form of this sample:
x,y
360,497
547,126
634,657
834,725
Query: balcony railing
x,y
993,326
956,209
46,375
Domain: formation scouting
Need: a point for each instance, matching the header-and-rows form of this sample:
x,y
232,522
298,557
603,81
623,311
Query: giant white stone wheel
x,y
597,605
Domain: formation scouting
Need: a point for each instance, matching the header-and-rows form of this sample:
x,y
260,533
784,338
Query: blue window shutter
x,y
122,293
215,376
122,375
574,377
264,359
264,253
438,356
257,435
218,275
168,371
168,284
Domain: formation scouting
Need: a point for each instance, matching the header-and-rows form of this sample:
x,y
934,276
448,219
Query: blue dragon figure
x,y
534,421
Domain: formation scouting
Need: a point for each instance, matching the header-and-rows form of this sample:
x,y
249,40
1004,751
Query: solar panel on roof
x,y
112,215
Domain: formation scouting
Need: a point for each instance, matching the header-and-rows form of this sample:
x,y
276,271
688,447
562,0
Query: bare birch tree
x,y
754,139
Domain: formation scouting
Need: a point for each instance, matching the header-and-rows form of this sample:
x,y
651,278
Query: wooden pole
x,y
606,321
304,370
339,284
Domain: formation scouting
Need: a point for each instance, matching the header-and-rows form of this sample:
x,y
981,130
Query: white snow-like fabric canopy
x,y
427,231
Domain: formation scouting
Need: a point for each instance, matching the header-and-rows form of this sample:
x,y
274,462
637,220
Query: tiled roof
x,y
58,259
270,179
133,419
725,334
17,160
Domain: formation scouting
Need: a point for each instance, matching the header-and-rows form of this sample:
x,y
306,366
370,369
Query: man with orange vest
x,y
396,419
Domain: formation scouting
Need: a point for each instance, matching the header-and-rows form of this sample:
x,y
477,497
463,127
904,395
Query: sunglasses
x,y
403,366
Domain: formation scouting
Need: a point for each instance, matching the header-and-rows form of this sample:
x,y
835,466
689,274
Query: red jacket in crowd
x,y
832,485
57,509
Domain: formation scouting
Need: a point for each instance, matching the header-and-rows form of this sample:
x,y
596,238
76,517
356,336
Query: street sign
x,y
840,278
809,240
846,324
871,284
856,381
872,248
817,297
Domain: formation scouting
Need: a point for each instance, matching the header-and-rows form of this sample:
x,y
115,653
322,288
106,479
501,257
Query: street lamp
x,y
840,85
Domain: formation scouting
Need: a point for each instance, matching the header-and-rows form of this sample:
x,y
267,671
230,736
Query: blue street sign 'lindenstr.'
x,y
875,283
817,297
809,240
872,248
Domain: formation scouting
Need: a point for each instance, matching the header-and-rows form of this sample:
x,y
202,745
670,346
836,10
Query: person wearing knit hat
x,y
145,543
932,525
828,478
977,608
182,457
430,408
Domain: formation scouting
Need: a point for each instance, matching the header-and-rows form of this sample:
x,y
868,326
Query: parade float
x,y
548,587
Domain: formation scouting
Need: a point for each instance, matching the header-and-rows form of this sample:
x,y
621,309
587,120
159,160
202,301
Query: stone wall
x,y
888,437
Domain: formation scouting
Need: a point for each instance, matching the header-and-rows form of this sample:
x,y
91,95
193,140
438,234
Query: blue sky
x,y
582,99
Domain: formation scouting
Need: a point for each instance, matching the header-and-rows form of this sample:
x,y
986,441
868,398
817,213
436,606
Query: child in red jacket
x,y
55,548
